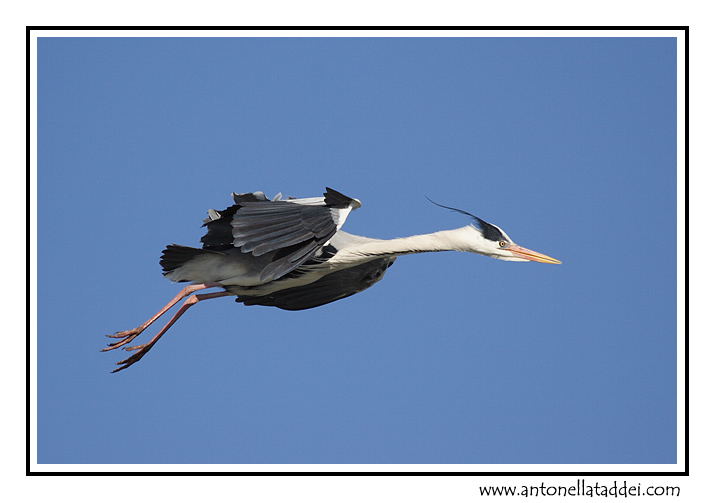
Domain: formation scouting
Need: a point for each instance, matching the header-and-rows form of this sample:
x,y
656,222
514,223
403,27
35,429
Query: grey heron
x,y
291,254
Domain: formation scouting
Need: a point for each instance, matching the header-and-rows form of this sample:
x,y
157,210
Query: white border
x,y
367,33
393,468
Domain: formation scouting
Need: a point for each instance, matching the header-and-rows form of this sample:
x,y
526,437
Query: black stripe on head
x,y
489,231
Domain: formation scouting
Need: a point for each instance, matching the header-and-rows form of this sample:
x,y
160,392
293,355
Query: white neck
x,y
462,239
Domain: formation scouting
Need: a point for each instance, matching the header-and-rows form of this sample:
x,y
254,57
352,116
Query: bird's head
x,y
494,242
489,240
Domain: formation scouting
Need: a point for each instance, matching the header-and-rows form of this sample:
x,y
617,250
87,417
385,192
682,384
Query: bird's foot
x,y
143,350
127,336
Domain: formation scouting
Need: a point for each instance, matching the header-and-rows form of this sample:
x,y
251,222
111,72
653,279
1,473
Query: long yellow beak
x,y
524,253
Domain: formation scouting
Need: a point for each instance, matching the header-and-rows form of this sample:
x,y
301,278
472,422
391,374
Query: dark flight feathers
x,y
332,287
287,233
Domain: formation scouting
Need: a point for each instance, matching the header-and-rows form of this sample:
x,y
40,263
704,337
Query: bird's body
x,y
291,254
258,249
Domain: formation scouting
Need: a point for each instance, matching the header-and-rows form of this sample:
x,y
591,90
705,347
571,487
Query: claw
x,y
143,350
119,335
120,368
133,334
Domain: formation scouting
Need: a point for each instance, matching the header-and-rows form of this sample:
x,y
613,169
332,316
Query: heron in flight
x,y
291,254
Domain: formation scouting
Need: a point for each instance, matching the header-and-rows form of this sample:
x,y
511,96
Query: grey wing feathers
x,y
259,228
332,287
286,233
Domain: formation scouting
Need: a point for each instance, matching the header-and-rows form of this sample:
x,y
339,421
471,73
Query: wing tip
x,y
335,199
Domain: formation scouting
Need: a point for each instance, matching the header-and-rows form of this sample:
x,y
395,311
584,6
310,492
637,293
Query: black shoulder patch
x,y
335,199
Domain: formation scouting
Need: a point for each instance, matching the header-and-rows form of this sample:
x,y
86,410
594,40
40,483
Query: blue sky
x,y
568,144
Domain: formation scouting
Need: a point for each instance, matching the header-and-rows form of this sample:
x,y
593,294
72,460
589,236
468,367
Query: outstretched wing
x,y
286,232
329,288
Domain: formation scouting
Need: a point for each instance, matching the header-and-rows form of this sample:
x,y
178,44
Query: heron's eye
x,y
502,244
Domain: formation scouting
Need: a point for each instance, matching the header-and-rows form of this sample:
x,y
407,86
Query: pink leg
x,y
129,335
144,348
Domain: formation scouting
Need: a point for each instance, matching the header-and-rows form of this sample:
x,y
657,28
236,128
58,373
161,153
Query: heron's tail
x,y
176,256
